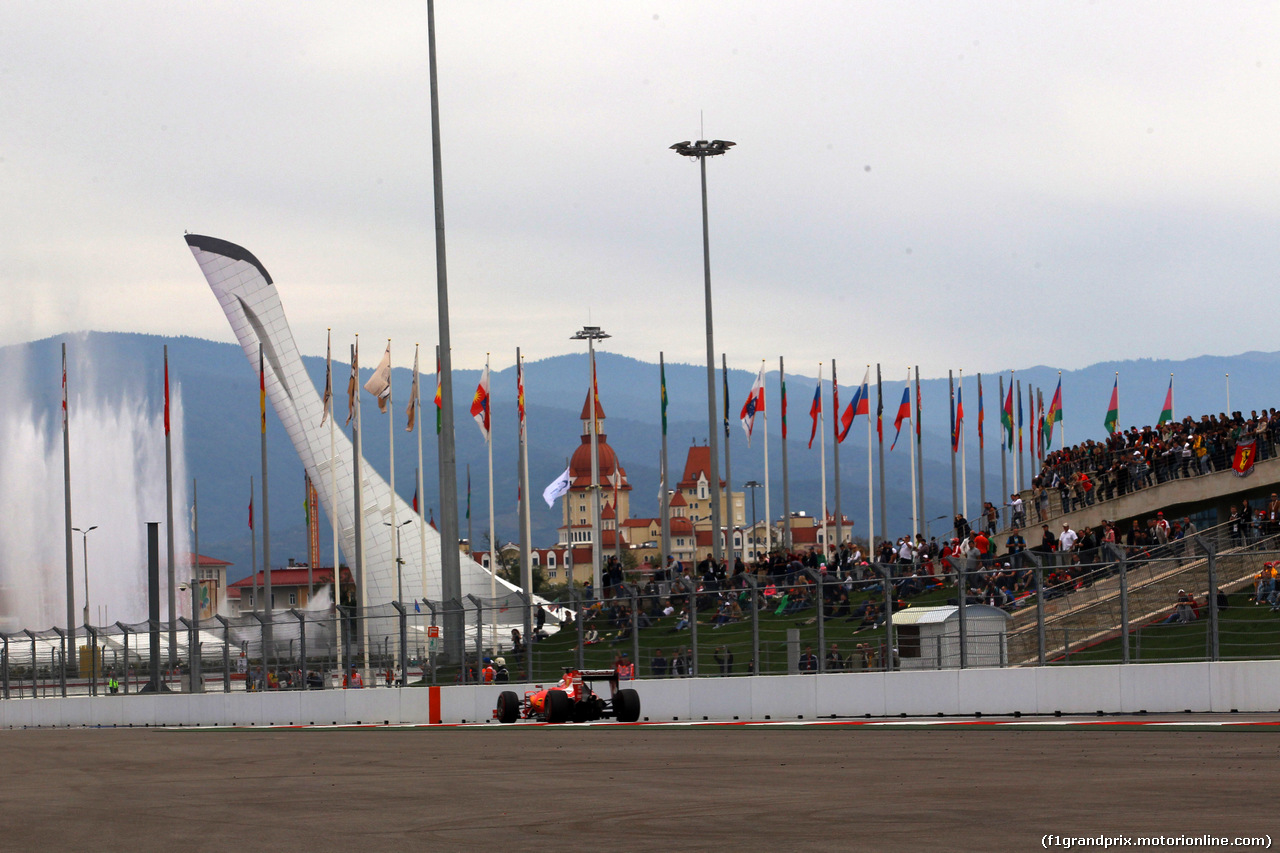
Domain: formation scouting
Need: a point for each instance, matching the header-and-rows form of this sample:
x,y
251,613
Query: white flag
x,y
558,488
379,384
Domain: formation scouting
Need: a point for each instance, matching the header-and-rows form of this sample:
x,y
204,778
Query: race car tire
x,y
626,705
559,707
508,707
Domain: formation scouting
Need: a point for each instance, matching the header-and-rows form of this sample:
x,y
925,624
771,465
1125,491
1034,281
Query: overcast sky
x,y
954,184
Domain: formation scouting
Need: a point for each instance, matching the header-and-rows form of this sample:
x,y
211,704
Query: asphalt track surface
x,y
894,785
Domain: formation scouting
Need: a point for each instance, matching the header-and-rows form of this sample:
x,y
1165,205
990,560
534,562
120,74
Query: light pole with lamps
x,y
753,485
93,664
701,150
591,334
399,559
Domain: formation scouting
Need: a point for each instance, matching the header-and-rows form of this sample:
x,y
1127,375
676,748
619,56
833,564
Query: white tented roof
x,y
936,615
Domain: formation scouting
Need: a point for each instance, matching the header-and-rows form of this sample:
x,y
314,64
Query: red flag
x,y
166,390
250,510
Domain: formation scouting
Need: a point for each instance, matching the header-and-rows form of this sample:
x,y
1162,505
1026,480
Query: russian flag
x,y
859,405
904,414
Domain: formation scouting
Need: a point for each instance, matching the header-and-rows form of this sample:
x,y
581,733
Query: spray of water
x,y
117,484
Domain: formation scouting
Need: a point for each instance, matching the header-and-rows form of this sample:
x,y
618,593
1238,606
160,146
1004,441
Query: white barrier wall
x,y
1155,688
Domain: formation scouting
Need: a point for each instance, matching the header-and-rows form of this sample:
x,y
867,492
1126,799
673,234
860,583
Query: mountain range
x,y
218,389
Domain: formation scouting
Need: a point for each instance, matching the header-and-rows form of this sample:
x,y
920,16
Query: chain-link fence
x,y
1213,597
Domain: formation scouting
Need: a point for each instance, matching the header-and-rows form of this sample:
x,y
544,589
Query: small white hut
x,y
929,637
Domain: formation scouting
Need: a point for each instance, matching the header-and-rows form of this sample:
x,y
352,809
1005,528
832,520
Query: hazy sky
x,y
954,184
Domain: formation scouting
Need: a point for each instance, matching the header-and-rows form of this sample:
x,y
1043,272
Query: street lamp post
x,y
929,523
93,664
591,334
701,150
753,485
399,559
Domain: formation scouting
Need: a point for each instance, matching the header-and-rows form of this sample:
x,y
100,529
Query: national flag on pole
x,y
415,498
250,507
904,414
1006,415
662,380
1166,414
1041,434
166,390
558,488
439,397
1054,415
1113,409
379,384
353,383
981,414
815,411
958,421
414,394
835,402
480,402
859,405
262,390
879,405
327,401
754,403
520,394
919,408
64,387
1019,414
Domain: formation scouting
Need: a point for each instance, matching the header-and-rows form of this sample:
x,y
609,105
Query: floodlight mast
x,y
701,150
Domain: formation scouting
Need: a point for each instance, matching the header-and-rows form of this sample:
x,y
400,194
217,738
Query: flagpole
x,y
835,451
822,455
422,497
493,545
69,650
964,466
1004,467
786,483
197,680
768,527
526,567
358,448
1019,469
884,520
391,454
955,504
168,499
730,552
664,499
911,448
871,502
982,452
920,514
333,502
1014,425
268,625
1171,409
253,551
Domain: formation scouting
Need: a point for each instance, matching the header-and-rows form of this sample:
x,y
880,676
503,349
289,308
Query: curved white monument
x,y
248,296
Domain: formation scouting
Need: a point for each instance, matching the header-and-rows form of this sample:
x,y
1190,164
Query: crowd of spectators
x,y
1133,459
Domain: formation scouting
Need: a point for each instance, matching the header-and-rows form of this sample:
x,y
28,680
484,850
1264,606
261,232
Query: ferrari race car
x,y
571,699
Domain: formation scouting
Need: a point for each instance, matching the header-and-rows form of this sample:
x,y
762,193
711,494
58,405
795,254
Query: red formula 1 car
x,y
572,699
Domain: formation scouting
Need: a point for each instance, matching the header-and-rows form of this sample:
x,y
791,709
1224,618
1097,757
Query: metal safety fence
x,y
1206,598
